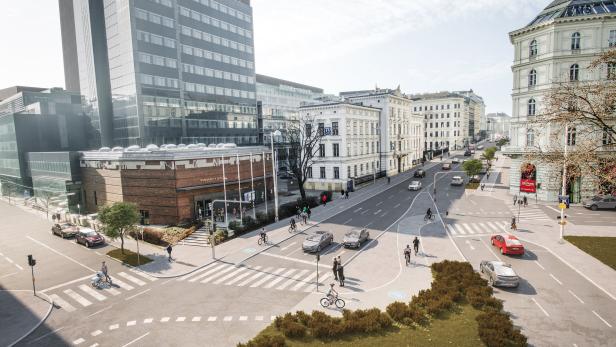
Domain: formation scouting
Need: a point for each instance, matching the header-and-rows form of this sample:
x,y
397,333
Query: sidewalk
x,y
22,312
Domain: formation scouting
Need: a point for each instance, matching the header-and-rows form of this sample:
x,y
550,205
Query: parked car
x,y
457,181
480,147
601,202
317,241
415,185
455,161
89,237
65,230
508,244
468,153
475,179
446,166
499,273
419,174
354,238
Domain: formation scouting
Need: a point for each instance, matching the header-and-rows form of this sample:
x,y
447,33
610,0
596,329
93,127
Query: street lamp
x,y
274,168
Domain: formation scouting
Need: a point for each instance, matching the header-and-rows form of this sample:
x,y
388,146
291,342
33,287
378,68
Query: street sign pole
x,y
32,262
318,258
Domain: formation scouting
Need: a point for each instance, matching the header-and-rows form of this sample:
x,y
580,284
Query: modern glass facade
x,y
56,180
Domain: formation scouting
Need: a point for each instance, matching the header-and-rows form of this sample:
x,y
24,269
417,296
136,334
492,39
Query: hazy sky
x,y
421,45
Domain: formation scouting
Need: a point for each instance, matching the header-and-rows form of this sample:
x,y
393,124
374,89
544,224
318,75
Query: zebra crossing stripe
x,y
452,231
465,226
220,273
112,290
294,279
123,285
200,276
304,281
93,293
63,304
255,276
280,278
266,278
227,276
484,228
80,299
144,275
185,277
321,282
247,273
132,279
460,230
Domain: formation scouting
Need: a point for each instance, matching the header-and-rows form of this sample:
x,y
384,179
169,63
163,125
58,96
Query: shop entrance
x,y
202,208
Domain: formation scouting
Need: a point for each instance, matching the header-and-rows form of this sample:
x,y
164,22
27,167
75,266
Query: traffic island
x,y
129,257
21,314
602,248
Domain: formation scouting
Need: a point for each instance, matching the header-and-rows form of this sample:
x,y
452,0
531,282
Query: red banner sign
x,y
528,186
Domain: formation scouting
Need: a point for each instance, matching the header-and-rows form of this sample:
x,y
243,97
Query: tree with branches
x,y
304,137
118,220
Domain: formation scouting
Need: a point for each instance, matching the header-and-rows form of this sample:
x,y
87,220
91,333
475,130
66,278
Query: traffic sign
x,y
562,206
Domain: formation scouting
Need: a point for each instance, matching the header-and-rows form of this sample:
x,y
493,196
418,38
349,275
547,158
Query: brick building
x,y
171,184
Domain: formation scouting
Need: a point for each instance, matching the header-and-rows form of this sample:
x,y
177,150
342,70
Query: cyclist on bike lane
x,y
429,213
416,245
407,254
332,294
263,234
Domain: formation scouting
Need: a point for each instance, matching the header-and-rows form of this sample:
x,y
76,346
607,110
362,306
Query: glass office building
x,y
179,71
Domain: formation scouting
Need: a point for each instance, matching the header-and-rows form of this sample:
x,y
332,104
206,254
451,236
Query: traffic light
x,y
31,260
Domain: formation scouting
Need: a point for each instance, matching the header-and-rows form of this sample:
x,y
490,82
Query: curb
x,y
51,305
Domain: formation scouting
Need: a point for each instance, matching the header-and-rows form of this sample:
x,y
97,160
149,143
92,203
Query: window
x,y
321,128
611,71
145,217
334,128
532,48
574,73
308,130
575,41
336,172
607,137
530,138
309,172
612,39
532,78
336,149
322,172
321,150
571,137
532,107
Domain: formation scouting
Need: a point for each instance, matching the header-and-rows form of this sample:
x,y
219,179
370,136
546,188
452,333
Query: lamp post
x,y
564,186
274,169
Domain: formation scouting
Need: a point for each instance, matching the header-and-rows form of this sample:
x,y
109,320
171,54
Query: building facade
x,y
349,151
558,45
165,71
40,101
173,184
401,137
498,126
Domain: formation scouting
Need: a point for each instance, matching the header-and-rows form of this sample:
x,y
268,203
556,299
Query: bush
x,y
397,311
323,326
265,341
290,326
365,321
496,329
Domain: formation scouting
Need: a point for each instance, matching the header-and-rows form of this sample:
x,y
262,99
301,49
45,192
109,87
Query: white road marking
x,y
80,299
575,296
212,270
217,274
291,280
93,293
243,318
468,228
397,205
144,275
247,273
229,275
180,319
61,254
132,279
267,277
255,276
451,229
379,203
556,279
114,326
164,319
384,214
280,278
345,223
603,320
123,285
304,281
259,318
96,333
228,318
540,307
63,304
130,297
377,212
148,320
211,318
131,323
196,272
7,275
289,258
196,319
111,290
366,211
357,210
287,247
539,264
137,339
99,311
321,282
469,245
459,229
79,341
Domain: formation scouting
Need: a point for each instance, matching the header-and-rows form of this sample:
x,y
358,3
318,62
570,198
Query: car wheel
x,y
502,251
87,244
594,207
492,242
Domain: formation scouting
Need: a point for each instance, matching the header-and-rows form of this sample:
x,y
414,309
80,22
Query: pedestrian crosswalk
x,y
271,277
461,229
528,214
84,295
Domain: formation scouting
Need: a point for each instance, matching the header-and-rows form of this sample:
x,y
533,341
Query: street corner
x,y
22,313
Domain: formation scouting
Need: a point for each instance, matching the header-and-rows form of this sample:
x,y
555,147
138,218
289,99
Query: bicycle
x,y
331,300
292,228
262,240
429,217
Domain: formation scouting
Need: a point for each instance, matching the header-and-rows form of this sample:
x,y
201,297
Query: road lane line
x,y
165,319
7,275
131,323
357,210
377,212
539,264
114,326
148,320
99,311
540,307
63,304
96,333
379,203
384,214
196,319
291,244
44,336
132,279
345,223
245,274
93,293
556,279
603,320
575,296
469,245
137,339
212,318
66,283
80,299
397,205
365,211
255,276
305,281
180,319
227,318
143,292
79,341
61,254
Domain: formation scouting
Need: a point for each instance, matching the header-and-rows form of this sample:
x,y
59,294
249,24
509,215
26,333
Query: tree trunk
x,y
122,242
302,191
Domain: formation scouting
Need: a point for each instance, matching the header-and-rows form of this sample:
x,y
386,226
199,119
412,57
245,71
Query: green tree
x,y
502,142
472,167
118,220
489,154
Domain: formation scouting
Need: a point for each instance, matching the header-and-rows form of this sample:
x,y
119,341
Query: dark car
x,y
317,241
468,153
419,174
64,230
354,238
89,237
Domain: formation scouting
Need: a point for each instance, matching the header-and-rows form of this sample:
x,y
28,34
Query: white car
x,y
415,185
455,161
457,181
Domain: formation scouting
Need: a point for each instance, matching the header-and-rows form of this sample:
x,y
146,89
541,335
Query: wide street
x,y
230,300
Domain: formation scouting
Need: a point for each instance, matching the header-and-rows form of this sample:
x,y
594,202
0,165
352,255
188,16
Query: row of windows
x,y
425,108
186,12
606,138
155,18
533,47
50,166
444,133
203,71
225,9
159,81
205,89
155,39
166,3
363,169
198,123
197,106
455,115
202,35
202,53
444,124
574,74
158,60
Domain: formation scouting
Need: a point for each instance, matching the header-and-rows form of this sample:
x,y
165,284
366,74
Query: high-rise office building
x,y
174,71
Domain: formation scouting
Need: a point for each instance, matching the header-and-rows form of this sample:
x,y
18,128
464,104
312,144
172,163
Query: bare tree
x,y
304,138
577,122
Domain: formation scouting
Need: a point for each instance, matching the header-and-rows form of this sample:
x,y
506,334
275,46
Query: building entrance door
x,y
574,188
202,209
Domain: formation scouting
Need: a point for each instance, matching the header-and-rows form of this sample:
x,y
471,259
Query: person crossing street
x,y
407,255
335,268
416,245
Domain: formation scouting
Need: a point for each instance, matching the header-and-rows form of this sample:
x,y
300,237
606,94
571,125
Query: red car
x,y
508,244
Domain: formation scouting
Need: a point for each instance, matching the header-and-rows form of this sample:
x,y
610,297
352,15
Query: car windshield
x,y
415,183
504,270
597,198
89,233
65,225
314,238
353,234
512,242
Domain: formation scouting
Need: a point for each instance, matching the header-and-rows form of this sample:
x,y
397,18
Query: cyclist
x,y
332,294
263,235
513,225
293,225
429,214
105,272
407,254
416,245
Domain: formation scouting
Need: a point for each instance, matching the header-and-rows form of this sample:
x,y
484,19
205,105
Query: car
x,y
480,147
446,166
468,153
457,181
415,185
455,161
89,237
64,230
508,244
419,174
601,202
475,179
317,241
499,274
355,237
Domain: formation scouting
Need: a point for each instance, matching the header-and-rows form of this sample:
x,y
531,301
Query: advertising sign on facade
x,y
528,186
528,178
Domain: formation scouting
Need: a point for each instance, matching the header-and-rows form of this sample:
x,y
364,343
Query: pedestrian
x,y
304,217
513,225
298,211
169,249
309,212
324,199
341,274
346,194
342,193
525,201
520,202
483,185
488,174
388,180
515,199
335,268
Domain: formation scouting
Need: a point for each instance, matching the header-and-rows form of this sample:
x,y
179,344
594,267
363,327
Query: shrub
x,y
365,321
416,315
323,326
265,341
496,329
290,327
303,317
397,311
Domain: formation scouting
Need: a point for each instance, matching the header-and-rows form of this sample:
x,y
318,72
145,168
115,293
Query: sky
x,y
338,45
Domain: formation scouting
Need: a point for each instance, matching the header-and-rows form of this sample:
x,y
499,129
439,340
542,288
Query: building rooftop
x,y
336,103
170,152
573,8
372,92
278,82
10,91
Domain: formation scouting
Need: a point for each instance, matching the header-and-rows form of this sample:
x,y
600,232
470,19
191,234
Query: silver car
x,y
499,274
354,238
601,202
317,241
415,185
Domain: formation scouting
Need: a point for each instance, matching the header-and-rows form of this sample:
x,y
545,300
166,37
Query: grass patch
x,y
601,248
472,185
458,329
129,257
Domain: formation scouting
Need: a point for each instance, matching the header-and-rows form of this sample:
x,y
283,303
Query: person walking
x,y
304,217
388,180
105,272
340,273
515,199
483,185
346,194
335,268
416,245
169,249
309,212
525,201
342,193
407,255
324,199
513,225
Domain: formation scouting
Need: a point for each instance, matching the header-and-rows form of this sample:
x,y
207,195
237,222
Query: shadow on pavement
x,y
525,288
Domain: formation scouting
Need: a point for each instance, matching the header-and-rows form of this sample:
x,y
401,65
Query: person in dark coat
x,y
169,249
341,274
335,268
346,194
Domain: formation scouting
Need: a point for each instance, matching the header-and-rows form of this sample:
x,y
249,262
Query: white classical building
x,y
402,133
556,46
453,119
349,149
498,126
